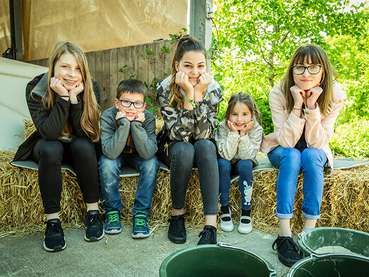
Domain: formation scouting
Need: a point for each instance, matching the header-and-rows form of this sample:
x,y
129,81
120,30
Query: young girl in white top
x,y
238,140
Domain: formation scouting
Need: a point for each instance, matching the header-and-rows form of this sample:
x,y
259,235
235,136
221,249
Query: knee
x,y
83,147
313,156
292,156
108,167
51,151
205,146
183,151
244,165
224,165
150,165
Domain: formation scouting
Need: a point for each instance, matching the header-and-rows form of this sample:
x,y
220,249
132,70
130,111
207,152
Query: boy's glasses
x,y
128,104
313,69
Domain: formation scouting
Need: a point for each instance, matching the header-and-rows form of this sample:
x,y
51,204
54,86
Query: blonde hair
x,y
317,56
91,111
185,44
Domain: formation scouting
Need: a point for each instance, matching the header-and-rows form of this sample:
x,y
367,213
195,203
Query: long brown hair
x,y
91,111
246,99
317,56
184,44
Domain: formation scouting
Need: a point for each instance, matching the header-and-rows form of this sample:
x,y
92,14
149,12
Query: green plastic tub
x,y
332,240
331,265
214,260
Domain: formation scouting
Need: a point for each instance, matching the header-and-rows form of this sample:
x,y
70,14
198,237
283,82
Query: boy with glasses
x,y
128,137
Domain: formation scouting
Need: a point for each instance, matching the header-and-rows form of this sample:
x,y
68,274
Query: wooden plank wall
x,y
147,62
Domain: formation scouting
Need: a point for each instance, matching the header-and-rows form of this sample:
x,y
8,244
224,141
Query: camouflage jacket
x,y
184,125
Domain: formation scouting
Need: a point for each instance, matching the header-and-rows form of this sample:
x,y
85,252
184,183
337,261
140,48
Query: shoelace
x,y
54,227
140,221
113,217
93,218
206,234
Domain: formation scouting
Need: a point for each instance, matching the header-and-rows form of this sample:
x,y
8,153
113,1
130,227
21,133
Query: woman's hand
x,y
57,86
183,81
298,95
202,86
76,90
312,96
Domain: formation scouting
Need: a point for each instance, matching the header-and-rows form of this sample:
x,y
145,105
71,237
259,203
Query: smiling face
x,y
130,103
307,80
240,115
193,63
68,71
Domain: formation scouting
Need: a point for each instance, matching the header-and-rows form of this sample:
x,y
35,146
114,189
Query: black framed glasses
x,y
313,69
127,104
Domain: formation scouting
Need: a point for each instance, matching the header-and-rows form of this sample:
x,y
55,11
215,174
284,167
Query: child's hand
x,y
140,117
202,86
231,126
57,86
312,96
120,114
183,81
246,129
76,90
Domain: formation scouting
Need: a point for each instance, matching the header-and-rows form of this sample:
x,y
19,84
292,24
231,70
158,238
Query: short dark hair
x,y
131,86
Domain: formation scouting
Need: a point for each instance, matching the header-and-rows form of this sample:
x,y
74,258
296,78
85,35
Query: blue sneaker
x,y
112,223
140,228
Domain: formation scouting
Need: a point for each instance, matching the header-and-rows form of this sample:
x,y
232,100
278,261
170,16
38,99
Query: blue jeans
x,y
244,170
290,162
109,180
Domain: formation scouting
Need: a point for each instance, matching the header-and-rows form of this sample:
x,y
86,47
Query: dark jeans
x,y
244,169
183,156
80,154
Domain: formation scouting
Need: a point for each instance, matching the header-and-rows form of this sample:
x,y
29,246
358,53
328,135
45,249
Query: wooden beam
x,y
200,21
15,11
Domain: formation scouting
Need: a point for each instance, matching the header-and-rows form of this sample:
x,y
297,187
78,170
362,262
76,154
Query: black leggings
x,y
80,154
183,156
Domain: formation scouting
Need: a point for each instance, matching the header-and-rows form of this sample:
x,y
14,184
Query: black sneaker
x,y
208,235
177,229
54,236
94,226
288,251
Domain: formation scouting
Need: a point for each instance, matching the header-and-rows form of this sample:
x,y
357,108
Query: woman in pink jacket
x,y
304,108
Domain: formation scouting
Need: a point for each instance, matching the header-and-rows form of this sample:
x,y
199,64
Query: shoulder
x,y
109,113
32,84
338,92
276,95
164,85
214,93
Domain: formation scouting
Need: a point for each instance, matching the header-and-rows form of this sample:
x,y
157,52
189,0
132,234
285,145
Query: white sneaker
x,y
245,228
226,225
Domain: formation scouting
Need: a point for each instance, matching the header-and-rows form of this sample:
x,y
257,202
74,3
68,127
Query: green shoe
x,y
140,228
112,223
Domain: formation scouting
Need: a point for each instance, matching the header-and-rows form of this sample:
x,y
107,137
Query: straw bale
x,y
345,200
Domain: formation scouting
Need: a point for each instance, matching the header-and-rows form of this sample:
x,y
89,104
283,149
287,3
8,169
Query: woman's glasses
x,y
313,69
127,104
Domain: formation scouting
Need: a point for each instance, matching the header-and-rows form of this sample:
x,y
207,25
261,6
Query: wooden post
x,y
15,10
200,21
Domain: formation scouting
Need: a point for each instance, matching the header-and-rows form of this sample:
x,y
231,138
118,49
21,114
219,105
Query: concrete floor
x,y
117,255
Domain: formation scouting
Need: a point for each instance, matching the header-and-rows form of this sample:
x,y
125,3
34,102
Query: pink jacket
x,y
288,127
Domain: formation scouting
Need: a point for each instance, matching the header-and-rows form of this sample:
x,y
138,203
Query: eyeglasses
x,y
128,104
313,69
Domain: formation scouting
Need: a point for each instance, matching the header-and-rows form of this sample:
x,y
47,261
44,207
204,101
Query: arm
x,y
250,143
205,114
144,138
179,123
287,126
319,131
114,134
49,123
227,142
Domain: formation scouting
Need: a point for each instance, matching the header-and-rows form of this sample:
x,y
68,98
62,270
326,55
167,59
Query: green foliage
x,y
254,40
352,139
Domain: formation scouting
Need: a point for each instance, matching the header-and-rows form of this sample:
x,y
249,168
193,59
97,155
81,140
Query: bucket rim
x,y
301,241
164,263
297,265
